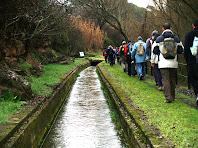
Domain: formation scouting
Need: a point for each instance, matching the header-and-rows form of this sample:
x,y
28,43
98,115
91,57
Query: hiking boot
x,y
167,101
160,88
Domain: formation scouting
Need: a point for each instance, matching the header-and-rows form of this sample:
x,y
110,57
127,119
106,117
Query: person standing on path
x,y
149,45
122,56
154,64
110,53
127,53
139,55
192,60
167,47
105,54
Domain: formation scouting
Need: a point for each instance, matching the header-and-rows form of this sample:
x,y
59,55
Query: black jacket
x,y
188,43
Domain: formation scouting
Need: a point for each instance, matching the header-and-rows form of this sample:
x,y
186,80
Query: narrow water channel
x,y
84,121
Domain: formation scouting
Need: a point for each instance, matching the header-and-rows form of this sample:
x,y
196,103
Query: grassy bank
x,y
177,121
92,55
43,85
8,108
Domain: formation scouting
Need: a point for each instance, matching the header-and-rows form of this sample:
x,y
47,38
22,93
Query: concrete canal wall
x,y
137,131
29,126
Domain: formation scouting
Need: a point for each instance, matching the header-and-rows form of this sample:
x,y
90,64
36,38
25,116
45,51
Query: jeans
x,y
141,69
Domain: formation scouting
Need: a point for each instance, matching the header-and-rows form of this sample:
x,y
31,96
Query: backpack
x,y
122,50
129,49
111,52
140,50
148,49
123,47
169,48
194,47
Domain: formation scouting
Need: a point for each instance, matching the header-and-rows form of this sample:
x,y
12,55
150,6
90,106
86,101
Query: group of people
x,y
162,51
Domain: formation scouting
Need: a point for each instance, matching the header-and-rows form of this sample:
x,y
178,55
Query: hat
x,y
154,32
196,23
124,42
139,38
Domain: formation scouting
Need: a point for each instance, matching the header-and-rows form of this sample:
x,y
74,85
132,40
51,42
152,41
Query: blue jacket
x,y
134,55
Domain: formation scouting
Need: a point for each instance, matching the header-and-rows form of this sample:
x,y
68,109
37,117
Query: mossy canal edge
x,y
32,123
138,133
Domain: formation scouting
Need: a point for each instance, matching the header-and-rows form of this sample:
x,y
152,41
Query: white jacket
x,y
154,57
167,63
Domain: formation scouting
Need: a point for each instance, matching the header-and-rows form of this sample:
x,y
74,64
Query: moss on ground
x,y
52,75
8,108
176,121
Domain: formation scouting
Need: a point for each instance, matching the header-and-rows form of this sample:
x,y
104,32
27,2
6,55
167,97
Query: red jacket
x,y
125,51
104,53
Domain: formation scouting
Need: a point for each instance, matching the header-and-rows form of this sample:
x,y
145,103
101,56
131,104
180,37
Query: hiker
x,y
127,53
110,53
167,47
117,54
114,56
149,43
122,57
154,64
105,54
191,57
139,55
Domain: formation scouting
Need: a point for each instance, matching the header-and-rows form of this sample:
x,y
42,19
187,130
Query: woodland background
x,y
70,26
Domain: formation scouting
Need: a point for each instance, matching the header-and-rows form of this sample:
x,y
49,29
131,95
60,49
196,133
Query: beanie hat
x,y
154,32
139,38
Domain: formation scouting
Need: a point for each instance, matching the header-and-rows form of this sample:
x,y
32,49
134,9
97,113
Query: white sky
x,y
141,3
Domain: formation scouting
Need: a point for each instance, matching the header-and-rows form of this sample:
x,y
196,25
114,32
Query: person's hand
x,y
152,64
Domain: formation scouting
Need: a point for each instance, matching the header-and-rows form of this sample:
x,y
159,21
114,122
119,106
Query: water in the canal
x,y
84,121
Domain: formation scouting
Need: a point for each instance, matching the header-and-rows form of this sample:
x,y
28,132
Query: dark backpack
x,y
122,50
111,52
169,48
148,49
129,49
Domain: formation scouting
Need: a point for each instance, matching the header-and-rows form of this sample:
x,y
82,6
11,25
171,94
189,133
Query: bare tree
x,y
103,12
32,21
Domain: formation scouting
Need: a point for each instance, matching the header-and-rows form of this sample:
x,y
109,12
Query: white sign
x,y
82,54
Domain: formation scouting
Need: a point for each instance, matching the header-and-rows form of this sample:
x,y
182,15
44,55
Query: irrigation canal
x,y
84,120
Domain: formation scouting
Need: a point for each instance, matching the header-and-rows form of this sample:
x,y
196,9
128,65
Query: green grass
x,y
52,76
177,121
8,108
98,55
186,97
